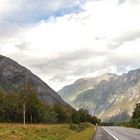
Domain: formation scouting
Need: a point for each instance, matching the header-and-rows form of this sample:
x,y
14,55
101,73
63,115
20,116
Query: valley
x,y
70,70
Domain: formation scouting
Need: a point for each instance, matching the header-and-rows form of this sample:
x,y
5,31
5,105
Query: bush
x,y
77,127
73,126
82,127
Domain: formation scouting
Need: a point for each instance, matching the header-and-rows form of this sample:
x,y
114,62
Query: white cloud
x,y
29,11
104,37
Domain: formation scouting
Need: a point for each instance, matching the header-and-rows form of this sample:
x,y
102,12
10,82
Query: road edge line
x,y
94,133
110,134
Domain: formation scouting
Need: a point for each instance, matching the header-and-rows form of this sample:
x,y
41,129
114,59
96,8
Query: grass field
x,y
44,132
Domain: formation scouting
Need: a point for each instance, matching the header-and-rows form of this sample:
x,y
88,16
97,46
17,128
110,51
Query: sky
x,y
64,40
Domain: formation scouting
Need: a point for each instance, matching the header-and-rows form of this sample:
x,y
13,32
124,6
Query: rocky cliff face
x,y
13,75
109,96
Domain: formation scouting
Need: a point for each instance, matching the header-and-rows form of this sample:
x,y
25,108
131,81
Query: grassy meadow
x,y
46,132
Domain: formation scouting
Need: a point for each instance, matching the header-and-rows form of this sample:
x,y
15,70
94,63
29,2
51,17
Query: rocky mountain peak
x,y
109,96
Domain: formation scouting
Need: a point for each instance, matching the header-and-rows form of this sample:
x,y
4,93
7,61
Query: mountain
x,y
13,75
110,97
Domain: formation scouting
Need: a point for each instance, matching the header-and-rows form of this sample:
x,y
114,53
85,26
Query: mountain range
x,y
13,76
109,96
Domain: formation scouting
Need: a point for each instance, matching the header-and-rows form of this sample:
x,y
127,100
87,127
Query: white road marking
x,y
110,134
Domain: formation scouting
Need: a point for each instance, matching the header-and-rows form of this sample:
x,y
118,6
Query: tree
x,y
135,121
1,105
30,103
84,115
59,109
136,113
49,115
23,97
75,117
11,108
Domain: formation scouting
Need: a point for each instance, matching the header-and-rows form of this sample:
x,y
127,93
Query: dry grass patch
x,y
43,132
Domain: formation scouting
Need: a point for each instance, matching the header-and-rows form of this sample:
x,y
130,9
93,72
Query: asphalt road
x,y
117,133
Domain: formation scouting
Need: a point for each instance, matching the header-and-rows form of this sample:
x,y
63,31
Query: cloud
x,y
35,10
121,1
126,37
14,16
62,41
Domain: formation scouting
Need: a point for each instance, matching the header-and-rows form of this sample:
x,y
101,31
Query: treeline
x,y
26,107
135,120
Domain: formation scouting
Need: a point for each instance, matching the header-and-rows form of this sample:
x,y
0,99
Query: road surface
x,y
117,133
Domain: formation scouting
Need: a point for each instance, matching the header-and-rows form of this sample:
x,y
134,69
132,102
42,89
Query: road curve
x,y
117,133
